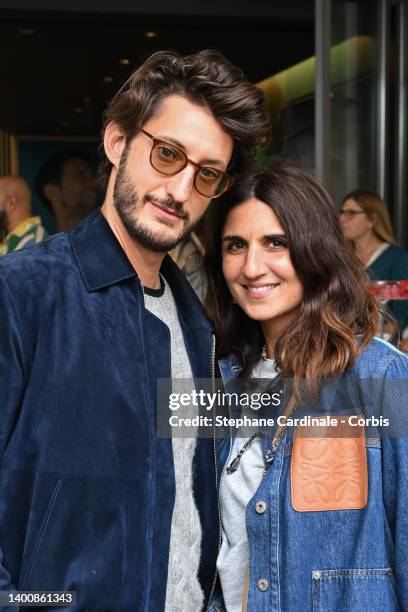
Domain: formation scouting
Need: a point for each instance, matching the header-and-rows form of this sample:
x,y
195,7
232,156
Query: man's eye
x,y
209,174
167,154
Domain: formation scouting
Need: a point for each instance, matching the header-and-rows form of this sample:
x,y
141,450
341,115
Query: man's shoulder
x,y
43,261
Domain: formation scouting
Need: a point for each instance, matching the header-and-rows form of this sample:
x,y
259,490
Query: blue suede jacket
x,y
346,560
86,486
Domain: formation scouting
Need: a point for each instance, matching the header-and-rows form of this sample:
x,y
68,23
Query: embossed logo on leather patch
x,y
329,473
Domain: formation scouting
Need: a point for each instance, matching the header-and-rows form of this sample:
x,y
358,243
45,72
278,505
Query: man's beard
x,y
127,204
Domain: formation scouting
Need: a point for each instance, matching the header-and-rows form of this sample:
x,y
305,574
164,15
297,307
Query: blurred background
x,y
334,74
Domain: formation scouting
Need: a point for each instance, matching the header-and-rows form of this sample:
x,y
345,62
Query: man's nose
x,y
255,262
180,186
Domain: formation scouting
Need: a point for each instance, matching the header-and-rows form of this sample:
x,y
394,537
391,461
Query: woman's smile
x,y
260,291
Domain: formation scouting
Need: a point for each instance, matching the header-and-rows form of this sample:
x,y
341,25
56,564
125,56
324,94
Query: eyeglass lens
x,y
349,214
170,160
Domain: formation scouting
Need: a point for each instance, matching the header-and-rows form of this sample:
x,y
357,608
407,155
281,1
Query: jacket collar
x,y
230,367
102,262
99,256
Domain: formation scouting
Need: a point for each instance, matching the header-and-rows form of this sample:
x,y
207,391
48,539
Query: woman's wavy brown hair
x,y
338,316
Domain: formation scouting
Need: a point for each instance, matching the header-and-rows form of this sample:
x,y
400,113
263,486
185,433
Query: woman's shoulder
x,y
396,254
380,359
396,249
391,264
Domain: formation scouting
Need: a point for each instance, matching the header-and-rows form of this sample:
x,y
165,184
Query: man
x,y
66,185
91,499
18,226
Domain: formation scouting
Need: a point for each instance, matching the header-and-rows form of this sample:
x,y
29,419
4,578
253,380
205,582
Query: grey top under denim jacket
x,y
336,560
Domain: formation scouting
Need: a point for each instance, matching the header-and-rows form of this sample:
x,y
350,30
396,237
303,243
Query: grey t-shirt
x,y
236,490
183,591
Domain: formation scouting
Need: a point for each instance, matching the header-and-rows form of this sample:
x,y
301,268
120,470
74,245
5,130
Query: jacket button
x,y
260,507
263,585
316,575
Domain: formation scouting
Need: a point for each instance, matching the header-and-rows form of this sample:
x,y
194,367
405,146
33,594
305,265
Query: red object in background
x,y
390,290
404,289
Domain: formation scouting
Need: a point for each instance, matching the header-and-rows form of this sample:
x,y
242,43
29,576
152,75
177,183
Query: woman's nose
x,y
255,263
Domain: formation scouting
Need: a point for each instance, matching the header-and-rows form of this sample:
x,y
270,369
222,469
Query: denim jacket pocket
x,y
329,473
344,590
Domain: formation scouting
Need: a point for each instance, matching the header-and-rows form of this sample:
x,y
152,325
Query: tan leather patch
x,y
329,473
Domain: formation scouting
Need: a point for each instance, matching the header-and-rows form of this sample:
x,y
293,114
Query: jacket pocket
x,y
354,590
329,472
40,537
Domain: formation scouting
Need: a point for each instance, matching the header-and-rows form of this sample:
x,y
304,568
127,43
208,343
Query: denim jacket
x,y
346,560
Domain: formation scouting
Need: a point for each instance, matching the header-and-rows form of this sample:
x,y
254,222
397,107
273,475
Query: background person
x,y
301,526
366,222
20,228
66,184
188,255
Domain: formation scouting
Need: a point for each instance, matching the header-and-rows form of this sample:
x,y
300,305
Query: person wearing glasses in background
x,y
365,221
91,499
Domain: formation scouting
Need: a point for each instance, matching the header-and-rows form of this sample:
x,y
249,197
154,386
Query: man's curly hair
x,y
206,78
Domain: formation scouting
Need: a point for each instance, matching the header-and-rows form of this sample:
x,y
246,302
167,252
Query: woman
x,y
312,523
366,222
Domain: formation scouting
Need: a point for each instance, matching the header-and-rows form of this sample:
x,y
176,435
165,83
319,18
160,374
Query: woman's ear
x,y
373,217
114,141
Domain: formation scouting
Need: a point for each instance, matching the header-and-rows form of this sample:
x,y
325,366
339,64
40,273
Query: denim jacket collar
x,y
230,367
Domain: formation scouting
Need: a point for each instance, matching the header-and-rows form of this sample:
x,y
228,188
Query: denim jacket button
x,y
260,507
316,575
263,585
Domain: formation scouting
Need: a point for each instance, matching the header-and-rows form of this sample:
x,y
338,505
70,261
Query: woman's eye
x,y
278,243
233,247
